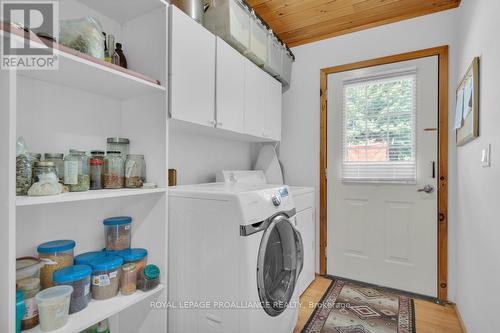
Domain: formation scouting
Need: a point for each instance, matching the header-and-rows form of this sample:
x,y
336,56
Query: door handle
x,y
427,189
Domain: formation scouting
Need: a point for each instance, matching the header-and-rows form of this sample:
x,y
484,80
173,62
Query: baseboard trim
x,y
460,320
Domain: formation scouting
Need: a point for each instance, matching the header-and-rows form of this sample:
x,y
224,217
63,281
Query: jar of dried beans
x,y
114,170
118,232
128,280
55,255
78,277
106,277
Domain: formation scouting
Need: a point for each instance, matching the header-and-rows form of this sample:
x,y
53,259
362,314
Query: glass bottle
x,y
114,170
58,159
76,171
135,171
119,51
96,173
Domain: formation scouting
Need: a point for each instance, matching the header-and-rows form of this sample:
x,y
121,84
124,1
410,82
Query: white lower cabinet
x,y
307,227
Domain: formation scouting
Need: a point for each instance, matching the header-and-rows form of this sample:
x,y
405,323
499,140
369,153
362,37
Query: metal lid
x,y
97,152
54,155
44,164
135,156
77,151
35,155
118,140
113,152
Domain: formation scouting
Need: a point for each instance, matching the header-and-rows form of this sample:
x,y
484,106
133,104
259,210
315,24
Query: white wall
x,y
198,158
299,150
478,224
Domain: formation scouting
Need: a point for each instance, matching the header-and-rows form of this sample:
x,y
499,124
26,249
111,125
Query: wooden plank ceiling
x,y
299,22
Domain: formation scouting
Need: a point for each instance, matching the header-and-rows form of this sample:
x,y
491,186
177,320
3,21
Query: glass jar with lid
x,y
114,170
96,165
58,159
97,154
135,171
118,144
43,168
76,171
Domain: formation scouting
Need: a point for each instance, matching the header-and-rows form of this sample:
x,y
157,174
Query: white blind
x,y
379,118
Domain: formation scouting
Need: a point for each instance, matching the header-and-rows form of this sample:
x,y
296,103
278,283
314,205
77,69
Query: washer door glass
x,y
279,264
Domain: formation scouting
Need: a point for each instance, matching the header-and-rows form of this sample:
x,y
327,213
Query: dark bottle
x,y
106,51
123,60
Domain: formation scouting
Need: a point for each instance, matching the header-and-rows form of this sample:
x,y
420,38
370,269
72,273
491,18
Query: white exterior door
x,y
382,153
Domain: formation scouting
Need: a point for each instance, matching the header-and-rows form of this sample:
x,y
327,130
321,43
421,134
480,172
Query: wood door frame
x,y
442,216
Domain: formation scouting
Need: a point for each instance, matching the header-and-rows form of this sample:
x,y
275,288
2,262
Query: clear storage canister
x,y
53,307
137,256
28,267
135,171
76,171
78,277
30,287
43,168
96,165
128,279
58,160
106,277
117,232
55,255
114,170
118,144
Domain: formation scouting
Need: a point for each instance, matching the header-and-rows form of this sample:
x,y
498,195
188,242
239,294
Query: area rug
x,y
349,307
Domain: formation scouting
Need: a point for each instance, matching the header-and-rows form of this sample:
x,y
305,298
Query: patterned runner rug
x,y
349,307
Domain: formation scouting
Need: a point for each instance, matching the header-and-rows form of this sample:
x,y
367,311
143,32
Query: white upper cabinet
x,y
255,99
191,70
272,126
230,88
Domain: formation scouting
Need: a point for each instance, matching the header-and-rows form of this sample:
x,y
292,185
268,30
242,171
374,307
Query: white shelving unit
x,y
79,106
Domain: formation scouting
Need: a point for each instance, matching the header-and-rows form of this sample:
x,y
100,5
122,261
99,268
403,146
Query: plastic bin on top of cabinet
x,y
257,50
274,55
286,67
230,20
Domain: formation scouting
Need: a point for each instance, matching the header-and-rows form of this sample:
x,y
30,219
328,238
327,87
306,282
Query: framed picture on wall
x,y
467,106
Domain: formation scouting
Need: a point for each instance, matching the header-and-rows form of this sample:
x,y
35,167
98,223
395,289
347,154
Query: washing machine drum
x,y
279,265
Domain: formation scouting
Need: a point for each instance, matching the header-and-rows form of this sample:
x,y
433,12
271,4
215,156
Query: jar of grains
x,y
30,287
135,171
43,168
55,255
128,279
114,170
118,144
118,232
58,159
106,277
78,277
137,256
76,171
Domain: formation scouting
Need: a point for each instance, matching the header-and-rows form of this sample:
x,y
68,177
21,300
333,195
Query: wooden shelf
x,y
82,196
97,311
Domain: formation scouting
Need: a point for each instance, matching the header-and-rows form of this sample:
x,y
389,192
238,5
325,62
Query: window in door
x,y
379,116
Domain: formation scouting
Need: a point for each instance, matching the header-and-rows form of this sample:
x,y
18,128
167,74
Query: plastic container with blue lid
x,y
87,257
55,255
118,232
106,277
137,256
20,309
78,277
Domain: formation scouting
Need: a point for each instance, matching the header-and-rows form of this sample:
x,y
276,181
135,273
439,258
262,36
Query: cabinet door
x,y
273,114
191,70
255,99
306,227
230,88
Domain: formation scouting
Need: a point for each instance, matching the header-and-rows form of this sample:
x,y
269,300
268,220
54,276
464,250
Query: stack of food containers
x,y
230,20
286,67
257,48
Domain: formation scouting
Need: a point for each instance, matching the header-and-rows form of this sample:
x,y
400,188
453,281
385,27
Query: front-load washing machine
x,y
234,259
